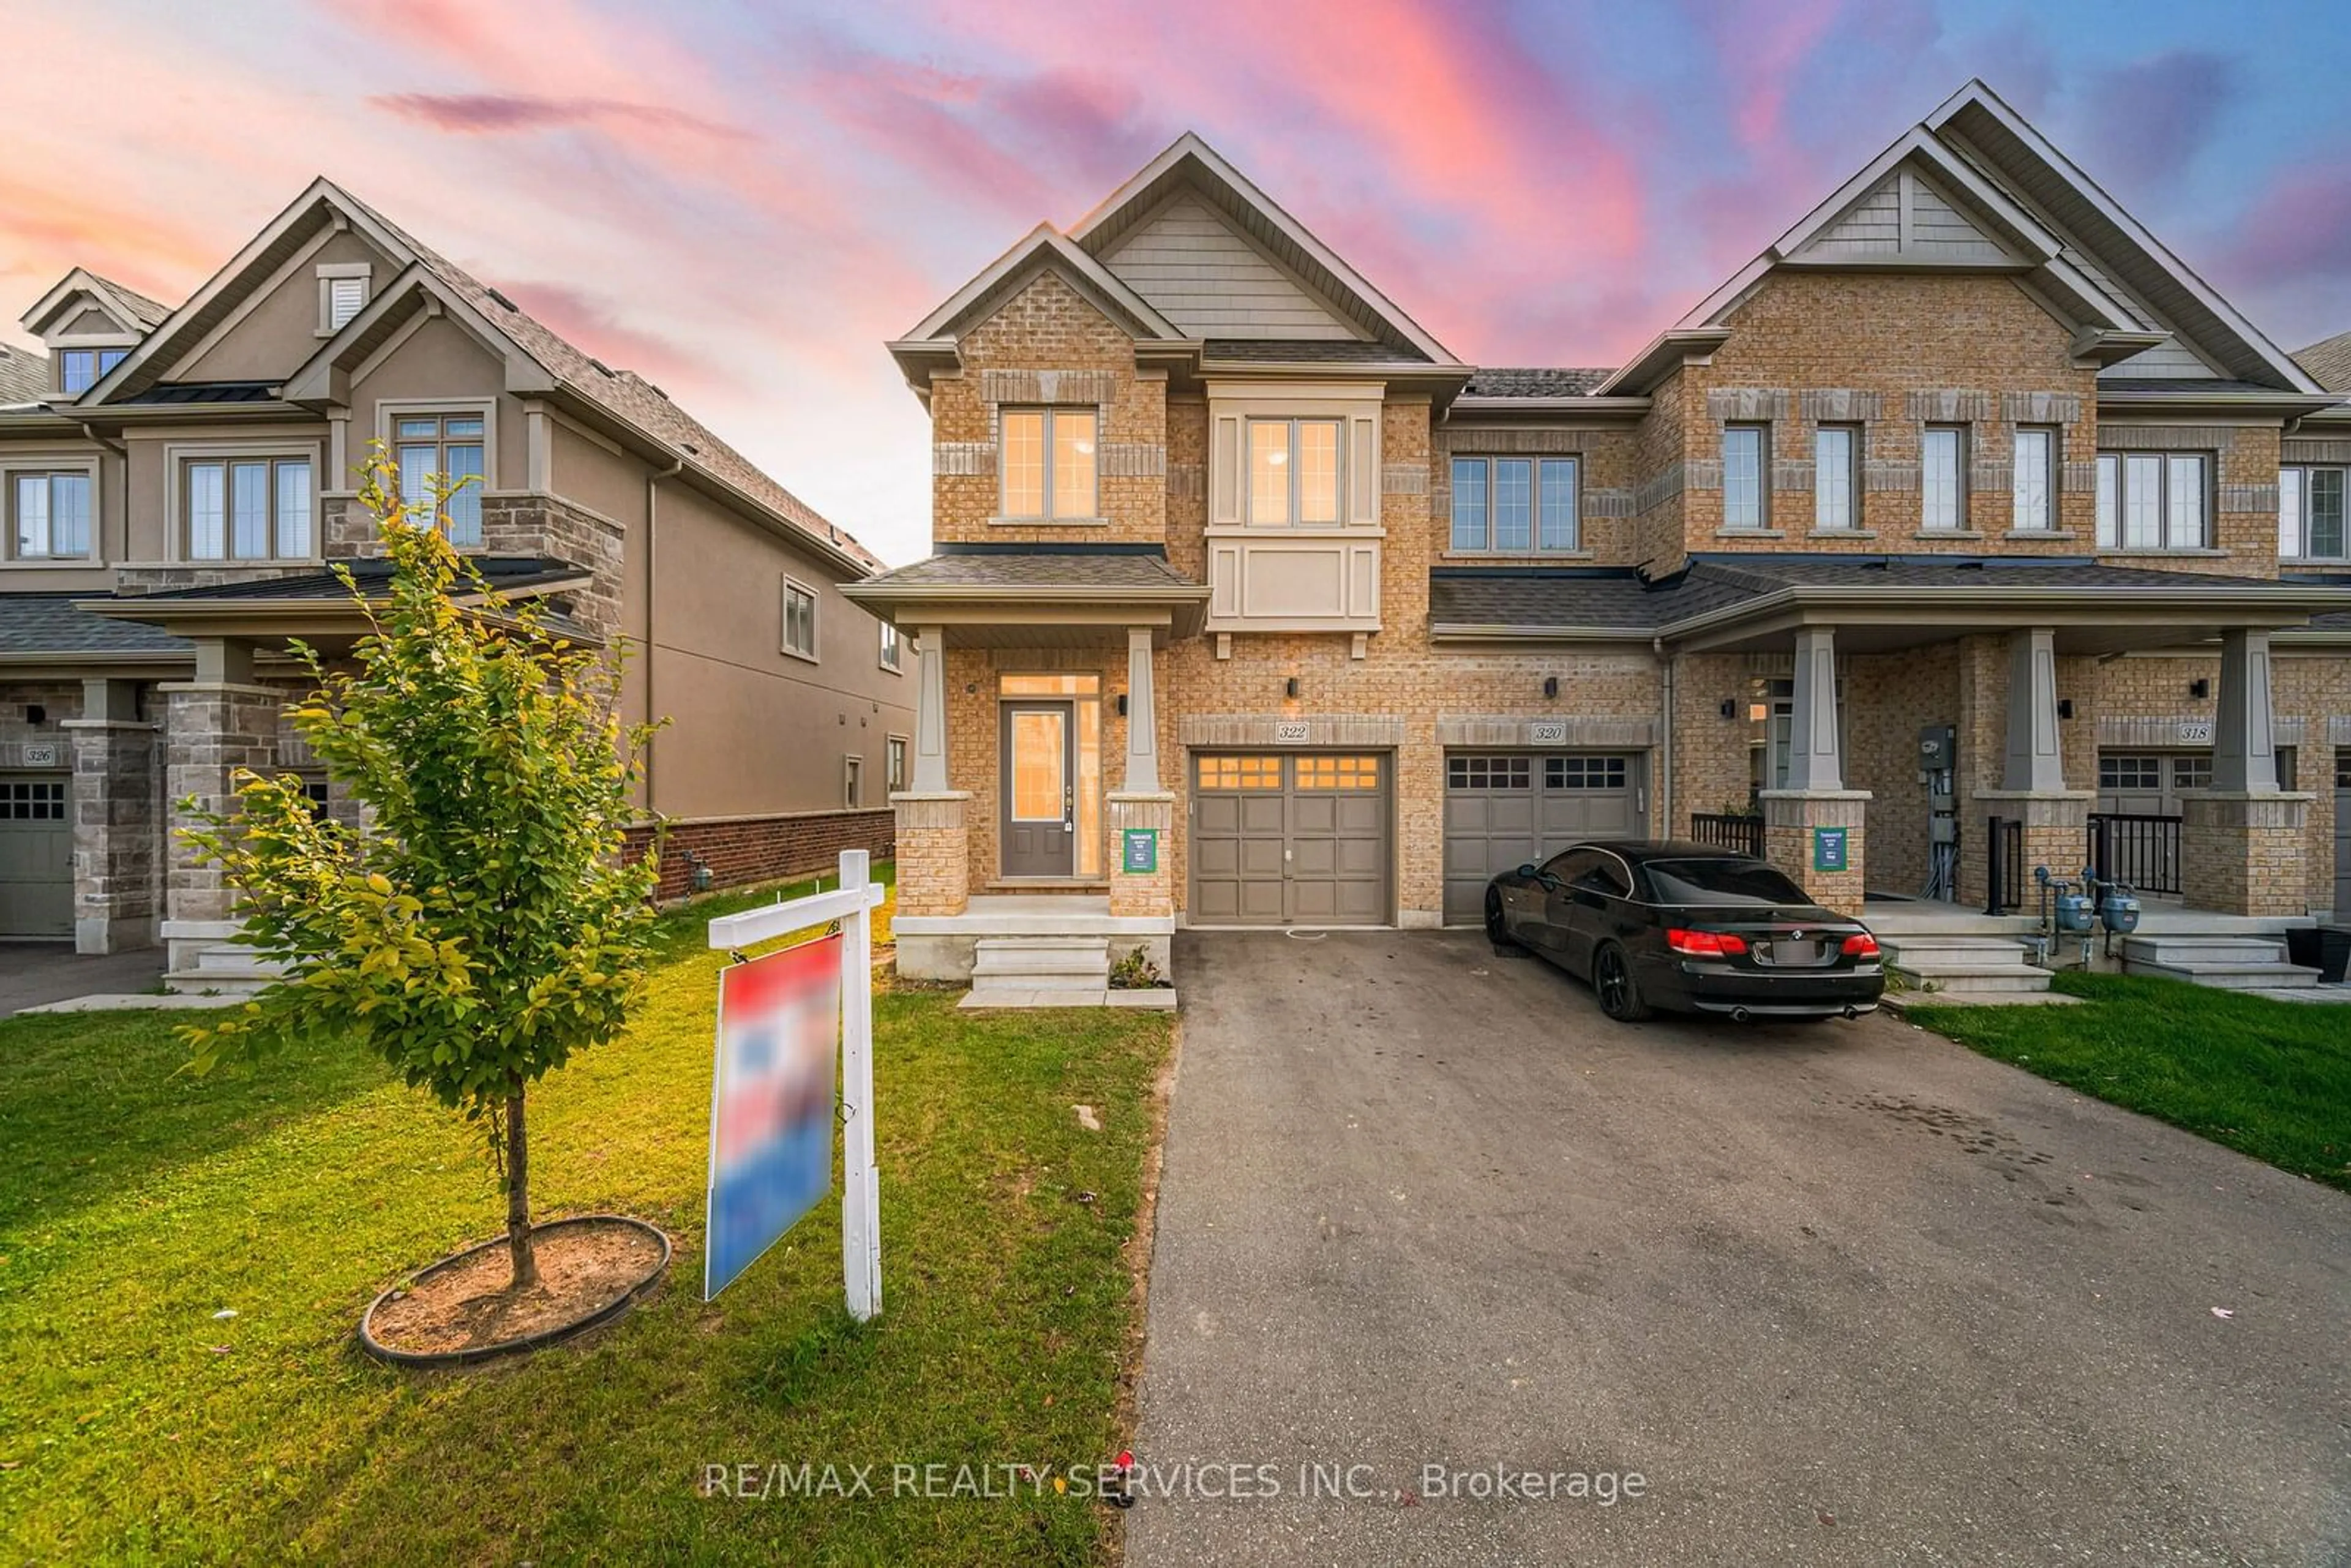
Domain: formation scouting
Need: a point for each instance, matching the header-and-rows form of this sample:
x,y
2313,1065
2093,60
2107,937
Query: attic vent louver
x,y
503,300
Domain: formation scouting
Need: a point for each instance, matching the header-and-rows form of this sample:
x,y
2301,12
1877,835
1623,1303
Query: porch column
x,y
2034,761
1142,717
2241,841
116,825
217,725
1812,830
2053,821
1815,758
933,841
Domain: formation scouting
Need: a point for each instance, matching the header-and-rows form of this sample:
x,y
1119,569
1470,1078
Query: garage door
x,y
1290,839
1503,809
36,855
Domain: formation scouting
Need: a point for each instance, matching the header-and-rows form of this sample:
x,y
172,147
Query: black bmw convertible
x,y
1688,929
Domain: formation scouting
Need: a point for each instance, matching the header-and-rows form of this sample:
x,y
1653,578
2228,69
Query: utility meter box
x,y
1938,748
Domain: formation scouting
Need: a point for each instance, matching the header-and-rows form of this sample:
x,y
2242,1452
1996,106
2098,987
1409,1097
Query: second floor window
x,y
48,516
2154,500
1517,505
448,447
78,369
241,508
2035,486
2311,514
1293,472
1050,471
892,656
1943,477
1746,455
800,618
1836,450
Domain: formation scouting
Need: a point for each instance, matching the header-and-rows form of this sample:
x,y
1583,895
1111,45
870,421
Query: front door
x,y
1040,782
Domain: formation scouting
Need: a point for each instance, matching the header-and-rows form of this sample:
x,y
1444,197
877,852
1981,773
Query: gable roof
x,y
540,359
1190,163
2328,361
23,376
1974,186
133,310
1042,249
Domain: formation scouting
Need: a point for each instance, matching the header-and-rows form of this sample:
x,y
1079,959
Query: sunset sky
x,y
742,202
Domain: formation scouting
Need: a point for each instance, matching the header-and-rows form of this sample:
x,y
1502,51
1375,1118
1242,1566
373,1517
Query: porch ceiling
x,y
1893,628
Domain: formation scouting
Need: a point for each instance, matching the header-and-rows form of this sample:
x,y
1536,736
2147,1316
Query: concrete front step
x,y
2230,977
1009,997
1956,965
2019,979
2203,949
1040,964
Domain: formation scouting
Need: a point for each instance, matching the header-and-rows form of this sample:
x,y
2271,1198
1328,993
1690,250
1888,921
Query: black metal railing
x,y
2003,865
1723,832
2140,850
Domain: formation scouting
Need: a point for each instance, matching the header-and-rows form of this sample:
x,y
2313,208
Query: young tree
x,y
481,927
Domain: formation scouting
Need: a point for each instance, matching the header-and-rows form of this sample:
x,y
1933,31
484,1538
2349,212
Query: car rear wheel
x,y
1497,931
1613,983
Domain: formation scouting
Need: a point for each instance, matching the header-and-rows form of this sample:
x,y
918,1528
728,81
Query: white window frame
x,y
389,412
28,465
329,273
893,656
1929,502
1046,515
2294,511
2044,469
1848,469
1763,519
1489,532
853,782
2114,494
897,757
177,455
792,585
1250,425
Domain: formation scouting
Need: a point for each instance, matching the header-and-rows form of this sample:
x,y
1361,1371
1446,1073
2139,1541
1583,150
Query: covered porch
x,y
1036,832
1929,732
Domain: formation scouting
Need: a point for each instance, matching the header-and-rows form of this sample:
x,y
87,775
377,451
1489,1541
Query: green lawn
x,y
2270,1079
136,1426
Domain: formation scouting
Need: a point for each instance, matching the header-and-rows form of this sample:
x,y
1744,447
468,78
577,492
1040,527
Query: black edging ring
x,y
604,1314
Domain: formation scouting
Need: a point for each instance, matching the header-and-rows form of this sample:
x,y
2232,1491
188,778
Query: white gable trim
x,y
1043,247
1219,178
85,284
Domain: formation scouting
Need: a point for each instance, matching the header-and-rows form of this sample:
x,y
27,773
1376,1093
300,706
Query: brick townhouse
x,y
1252,604
177,485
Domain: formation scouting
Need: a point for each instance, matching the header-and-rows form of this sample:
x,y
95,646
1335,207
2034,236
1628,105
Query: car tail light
x,y
1705,944
1860,944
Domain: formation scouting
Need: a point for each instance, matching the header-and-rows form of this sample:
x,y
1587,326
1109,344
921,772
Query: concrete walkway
x,y
1840,1294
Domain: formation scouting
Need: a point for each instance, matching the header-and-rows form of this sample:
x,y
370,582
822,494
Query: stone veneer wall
x,y
514,523
741,849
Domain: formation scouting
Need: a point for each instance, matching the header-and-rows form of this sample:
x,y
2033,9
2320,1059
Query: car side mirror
x,y
1528,871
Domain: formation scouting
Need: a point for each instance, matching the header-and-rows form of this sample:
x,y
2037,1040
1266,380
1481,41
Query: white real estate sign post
x,y
852,903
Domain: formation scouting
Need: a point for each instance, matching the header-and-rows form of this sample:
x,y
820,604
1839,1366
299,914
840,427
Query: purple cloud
x,y
2147,121
2298,228
496,114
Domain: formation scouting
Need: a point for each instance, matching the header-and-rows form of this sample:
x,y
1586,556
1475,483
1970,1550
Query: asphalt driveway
x,y
1844,1293
35,973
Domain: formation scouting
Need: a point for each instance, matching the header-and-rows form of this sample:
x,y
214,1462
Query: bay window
x,y
2311,514
1515,504
1048,463
2154,500
49,515
247,508
447,448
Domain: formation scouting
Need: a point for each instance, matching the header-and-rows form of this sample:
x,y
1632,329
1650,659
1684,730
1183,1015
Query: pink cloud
x,y
2298,228
483,113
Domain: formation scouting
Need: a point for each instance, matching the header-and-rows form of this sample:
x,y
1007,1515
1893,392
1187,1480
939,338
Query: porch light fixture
x,y
1550,685
36,714
2200,687
2065,707
1730,707
1290,687
1122,705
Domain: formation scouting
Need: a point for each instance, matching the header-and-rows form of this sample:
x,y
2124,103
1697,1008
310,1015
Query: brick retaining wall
x,y
741,849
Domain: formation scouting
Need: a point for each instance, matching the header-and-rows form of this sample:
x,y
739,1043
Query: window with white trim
x,y
247,508
1943,477
2155,500
1746,461
1516,504
448,448
894,762
49,514
1049,467
78,369
1836,472
2311,514
2035,486
853,782
893,650
800,618
1295,473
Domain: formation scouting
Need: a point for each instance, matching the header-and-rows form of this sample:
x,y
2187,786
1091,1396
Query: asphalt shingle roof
x,y
51,624
1533,382
23,376
374,575
1309,350
1482,597
148,313
2328,361
1038,568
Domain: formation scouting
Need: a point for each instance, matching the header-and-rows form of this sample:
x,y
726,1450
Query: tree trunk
x,y
518,1238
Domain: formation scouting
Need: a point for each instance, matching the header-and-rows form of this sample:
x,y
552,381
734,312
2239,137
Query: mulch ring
x,y
591,1268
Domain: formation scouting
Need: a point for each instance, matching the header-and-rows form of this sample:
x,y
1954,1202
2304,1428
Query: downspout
x,y
1665,735
653,508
